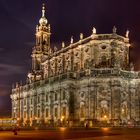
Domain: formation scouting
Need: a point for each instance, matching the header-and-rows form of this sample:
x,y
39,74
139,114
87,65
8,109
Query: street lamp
x,y
62,118
122,111
18,121
105,117
36,118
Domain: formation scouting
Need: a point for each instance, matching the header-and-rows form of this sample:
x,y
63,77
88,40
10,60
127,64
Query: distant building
x,y
87,82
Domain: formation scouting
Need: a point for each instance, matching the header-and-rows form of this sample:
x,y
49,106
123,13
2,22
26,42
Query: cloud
x,y
9,69
3,92
5,89
30,43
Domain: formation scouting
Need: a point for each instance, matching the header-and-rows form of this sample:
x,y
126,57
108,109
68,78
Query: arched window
x,y
38,99
63,95
64,111
47,112
46,97
31,115
56,112
55,96
104,61
38,113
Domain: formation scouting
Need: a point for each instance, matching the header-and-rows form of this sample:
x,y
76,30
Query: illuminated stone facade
x,y
89,81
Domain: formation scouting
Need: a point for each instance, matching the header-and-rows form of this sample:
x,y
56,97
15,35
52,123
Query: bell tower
x,y
42,48
43,33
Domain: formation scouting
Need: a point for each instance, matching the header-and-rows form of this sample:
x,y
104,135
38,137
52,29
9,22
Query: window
x,y
38,99
104,61
47,112
31,115
87,49
76,66
104,47
47,98
64,111
24,101
82,94
55,111
38,113
14,115
63,95
55,98
24,114
31,101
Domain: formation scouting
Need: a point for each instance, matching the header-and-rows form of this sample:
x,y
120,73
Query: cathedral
x,y
88,82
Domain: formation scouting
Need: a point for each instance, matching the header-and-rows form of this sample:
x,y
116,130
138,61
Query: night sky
x,y
18,19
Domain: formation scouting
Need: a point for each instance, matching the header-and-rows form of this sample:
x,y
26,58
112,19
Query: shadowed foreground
x,y
94,134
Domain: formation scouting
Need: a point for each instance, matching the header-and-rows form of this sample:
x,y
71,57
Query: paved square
x,y
63,133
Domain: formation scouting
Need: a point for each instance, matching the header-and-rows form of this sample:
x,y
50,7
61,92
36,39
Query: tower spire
x,y
43,10
43,21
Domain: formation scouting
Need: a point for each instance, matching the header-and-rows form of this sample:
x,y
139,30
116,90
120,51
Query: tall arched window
x,y
104,61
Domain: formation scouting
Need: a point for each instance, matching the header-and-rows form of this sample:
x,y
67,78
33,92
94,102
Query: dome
x,y
43,21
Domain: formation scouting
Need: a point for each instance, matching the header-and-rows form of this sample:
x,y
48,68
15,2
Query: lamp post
x,y
62,120
105,119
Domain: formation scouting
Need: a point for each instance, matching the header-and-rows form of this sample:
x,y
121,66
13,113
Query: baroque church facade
x,y
90,81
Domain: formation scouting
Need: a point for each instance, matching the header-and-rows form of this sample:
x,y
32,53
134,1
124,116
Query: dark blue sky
x,y
18,19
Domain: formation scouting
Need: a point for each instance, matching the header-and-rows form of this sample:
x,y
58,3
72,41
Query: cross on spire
x,y
43,10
